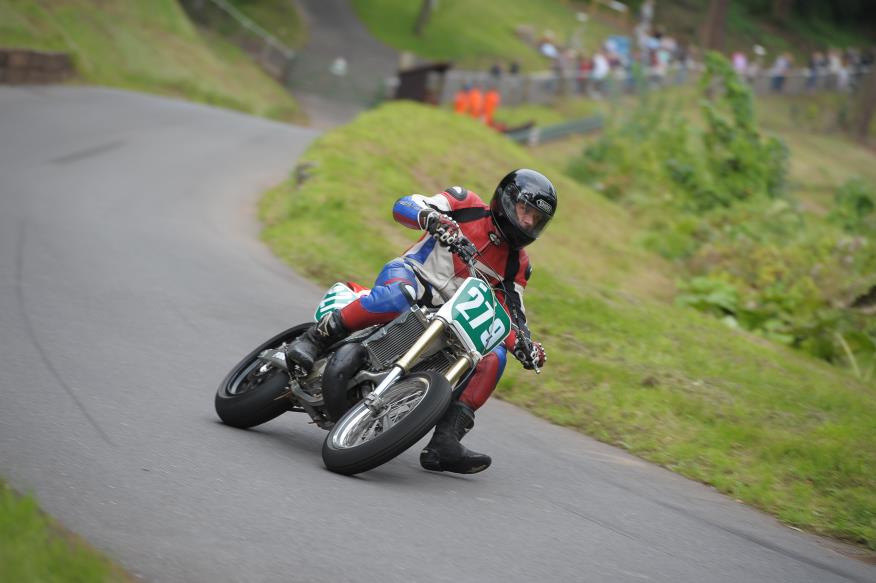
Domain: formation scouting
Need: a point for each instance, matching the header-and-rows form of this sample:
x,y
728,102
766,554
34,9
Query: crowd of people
x,y
651,57
479,104
832,69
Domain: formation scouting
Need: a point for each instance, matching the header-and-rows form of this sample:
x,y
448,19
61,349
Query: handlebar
x,y
465,250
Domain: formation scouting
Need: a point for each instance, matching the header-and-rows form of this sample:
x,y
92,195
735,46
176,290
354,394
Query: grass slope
x,y
473,33
145,45
478,33
33,550
774,428
278,17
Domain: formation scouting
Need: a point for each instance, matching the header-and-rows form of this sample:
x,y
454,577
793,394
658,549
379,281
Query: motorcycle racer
x,y
521,207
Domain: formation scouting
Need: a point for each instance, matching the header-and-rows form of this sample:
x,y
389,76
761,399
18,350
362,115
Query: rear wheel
x,y
361,441
255,392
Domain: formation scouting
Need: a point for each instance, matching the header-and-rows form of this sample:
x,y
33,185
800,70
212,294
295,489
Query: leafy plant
x,y
854,206
717,203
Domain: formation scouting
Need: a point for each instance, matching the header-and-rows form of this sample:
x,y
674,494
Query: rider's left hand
x,y
532,356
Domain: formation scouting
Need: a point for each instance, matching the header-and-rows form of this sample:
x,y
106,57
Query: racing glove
x,y
530,354
439,225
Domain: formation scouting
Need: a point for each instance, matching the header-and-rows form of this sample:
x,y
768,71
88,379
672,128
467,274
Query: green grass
x,y
34,550
278,17
146,46
558,112
777,429
477,34
822,155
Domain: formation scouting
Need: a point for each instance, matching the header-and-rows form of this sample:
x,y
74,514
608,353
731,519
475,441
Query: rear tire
x,y
246,399
357,443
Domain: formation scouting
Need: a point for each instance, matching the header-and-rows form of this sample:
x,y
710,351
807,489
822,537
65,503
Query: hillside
x,y
145,46
475,35
767,425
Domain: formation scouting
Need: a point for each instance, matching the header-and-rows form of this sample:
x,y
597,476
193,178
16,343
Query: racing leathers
x,y
434,274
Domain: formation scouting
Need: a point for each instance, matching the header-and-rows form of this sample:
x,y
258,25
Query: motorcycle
x,y
381,389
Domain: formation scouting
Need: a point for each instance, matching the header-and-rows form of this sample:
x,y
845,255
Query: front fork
x,y
433,332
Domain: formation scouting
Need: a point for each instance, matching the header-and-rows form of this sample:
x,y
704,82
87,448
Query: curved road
x,y
131,279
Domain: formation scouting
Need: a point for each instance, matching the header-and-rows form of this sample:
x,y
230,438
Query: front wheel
x,y
254,393
361,441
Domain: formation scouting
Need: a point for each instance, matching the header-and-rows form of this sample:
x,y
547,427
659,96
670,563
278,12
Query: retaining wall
x,y
22,66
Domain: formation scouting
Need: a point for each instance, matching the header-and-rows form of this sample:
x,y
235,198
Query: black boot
x,y
444,452
304,349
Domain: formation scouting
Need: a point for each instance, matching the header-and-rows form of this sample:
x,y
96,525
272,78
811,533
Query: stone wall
x,y
22,66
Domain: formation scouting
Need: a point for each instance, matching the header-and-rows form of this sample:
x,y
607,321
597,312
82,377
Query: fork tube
x,y
457,370
435,329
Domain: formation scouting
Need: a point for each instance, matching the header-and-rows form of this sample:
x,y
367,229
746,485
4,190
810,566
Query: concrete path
x,y
334,31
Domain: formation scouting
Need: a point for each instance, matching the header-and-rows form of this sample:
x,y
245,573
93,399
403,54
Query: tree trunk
x,y
865,105
782,10
423,18
714,26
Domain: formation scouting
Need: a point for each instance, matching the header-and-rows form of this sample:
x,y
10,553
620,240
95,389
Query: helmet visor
x,y
527,217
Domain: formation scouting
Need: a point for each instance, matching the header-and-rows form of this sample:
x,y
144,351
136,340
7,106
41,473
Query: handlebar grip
x,y
465,249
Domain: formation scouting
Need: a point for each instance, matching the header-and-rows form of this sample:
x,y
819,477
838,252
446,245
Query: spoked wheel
x,y
255,392
361,440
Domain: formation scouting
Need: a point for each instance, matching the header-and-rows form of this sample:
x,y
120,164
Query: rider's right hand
x,y
439,225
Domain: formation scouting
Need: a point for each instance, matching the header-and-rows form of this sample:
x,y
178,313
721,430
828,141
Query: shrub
x,y
716,201
854,205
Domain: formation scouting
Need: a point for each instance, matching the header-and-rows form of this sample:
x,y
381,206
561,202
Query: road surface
x,y
132,278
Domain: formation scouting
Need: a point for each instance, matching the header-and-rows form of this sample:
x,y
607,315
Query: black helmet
x,y
524,203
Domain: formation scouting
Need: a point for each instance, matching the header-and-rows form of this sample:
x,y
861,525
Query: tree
x,y
426,9
713,28
865,106
782,9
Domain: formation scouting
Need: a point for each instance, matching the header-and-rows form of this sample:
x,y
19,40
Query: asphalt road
x,y
132,278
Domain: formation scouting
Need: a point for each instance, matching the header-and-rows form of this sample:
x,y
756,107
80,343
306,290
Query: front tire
x,y
359,441
245,397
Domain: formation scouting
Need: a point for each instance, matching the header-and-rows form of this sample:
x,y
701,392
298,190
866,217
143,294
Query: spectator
x,y
755,65
779,71
492,100
740,64
585,67
601,69
496,72
646,12
514,89
546,45
843,76
682,57
460,100
812,70
475,102
834,66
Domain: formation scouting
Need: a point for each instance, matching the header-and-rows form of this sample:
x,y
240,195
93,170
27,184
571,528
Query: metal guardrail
x,y
544,87
534,135
271,54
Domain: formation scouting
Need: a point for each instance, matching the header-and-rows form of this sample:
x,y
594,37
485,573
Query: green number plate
x,y
478,317
338,296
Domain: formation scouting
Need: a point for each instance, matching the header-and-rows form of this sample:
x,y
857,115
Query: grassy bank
x,y
476,34
280,18
775,428
33,550
473,34
146,46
